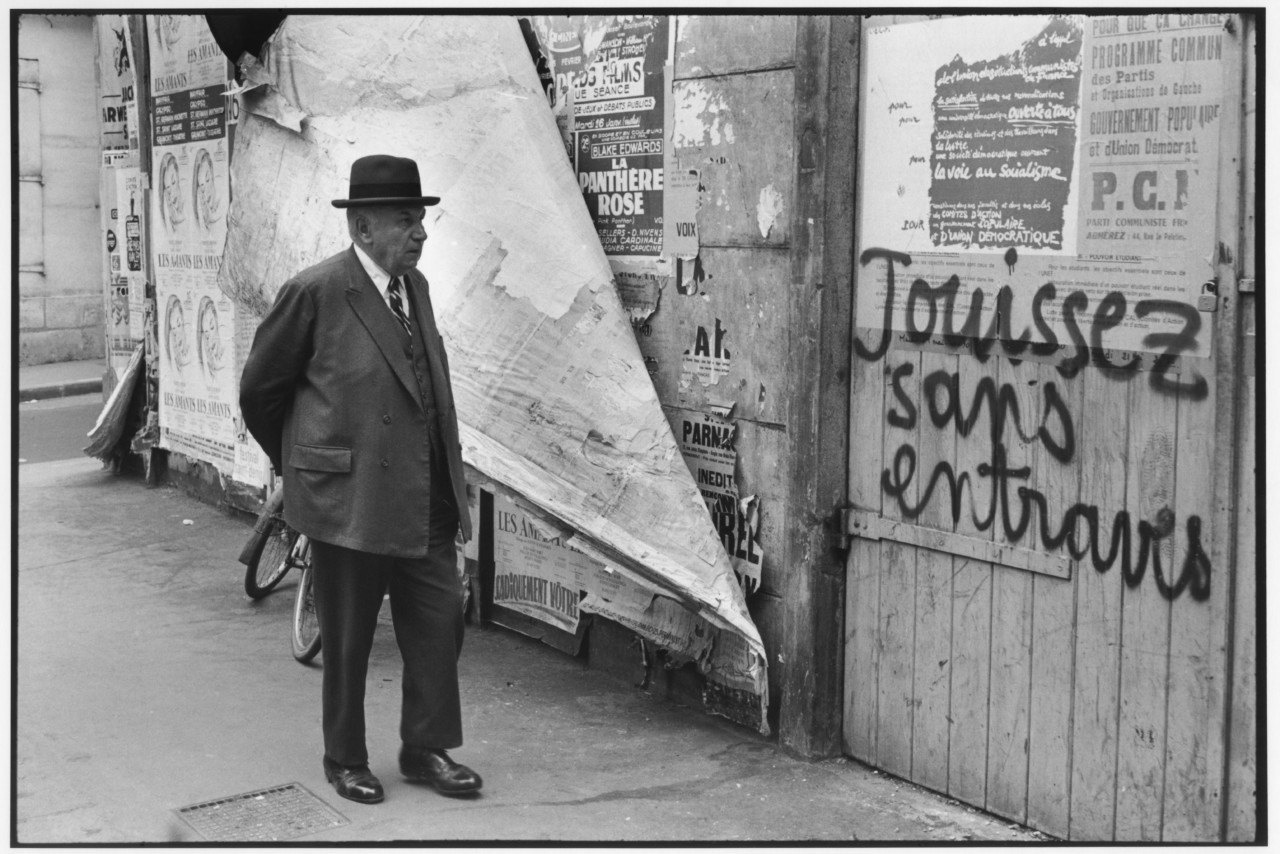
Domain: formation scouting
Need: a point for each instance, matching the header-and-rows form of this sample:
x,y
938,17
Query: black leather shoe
x,y
433,766
356,783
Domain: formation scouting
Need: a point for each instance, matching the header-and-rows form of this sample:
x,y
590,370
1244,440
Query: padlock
x,y
1208,296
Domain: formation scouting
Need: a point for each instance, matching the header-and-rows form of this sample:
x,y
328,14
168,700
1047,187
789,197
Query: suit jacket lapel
x,y
367,303
424,316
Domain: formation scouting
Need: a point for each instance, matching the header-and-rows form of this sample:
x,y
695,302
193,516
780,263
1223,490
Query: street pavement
x,y
147,681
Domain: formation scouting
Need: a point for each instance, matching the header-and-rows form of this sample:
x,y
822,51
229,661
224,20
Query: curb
x,y
67,389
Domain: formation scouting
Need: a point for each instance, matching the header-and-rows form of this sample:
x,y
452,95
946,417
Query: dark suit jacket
x,y
329,395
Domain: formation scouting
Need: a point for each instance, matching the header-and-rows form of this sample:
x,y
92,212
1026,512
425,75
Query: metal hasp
x,y
872,526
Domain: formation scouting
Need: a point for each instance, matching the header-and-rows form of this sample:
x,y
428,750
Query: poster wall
x,y
124,281
190,196
1004,154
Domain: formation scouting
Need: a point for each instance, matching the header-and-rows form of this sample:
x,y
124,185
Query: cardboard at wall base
x,y
552,395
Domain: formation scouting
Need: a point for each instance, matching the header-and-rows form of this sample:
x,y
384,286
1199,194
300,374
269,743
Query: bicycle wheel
x,y
306,628
270,561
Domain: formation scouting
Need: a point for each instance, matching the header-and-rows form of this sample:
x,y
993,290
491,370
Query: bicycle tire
x,y
271,560
306,628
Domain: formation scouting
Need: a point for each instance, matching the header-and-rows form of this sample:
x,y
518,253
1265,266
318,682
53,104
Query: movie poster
x,y
609,84
190,197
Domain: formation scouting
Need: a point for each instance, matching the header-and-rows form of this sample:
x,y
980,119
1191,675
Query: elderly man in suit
x,y
346,388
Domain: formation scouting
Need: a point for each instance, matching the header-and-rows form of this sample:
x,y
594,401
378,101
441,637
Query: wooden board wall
x,y
1101,706
745,89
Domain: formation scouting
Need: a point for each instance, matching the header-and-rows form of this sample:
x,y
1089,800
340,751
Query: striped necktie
x,y
397,303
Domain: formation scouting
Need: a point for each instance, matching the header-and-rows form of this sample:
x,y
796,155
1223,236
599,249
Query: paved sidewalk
x,y
147,681
60,379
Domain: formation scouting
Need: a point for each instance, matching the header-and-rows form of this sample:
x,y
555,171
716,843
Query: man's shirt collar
x,y
381,278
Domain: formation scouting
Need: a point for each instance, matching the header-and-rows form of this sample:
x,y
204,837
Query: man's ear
x,y
362,230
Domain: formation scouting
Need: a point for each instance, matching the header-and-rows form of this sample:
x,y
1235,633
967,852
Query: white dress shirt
x,y
382,280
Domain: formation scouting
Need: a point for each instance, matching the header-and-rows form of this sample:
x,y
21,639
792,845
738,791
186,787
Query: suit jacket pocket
x,y
321,458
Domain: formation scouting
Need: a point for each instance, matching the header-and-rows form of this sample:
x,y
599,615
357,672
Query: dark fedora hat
x,y
381,179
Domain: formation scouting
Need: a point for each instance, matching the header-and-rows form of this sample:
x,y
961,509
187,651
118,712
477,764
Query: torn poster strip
x,y
708,443
639,287
708,361
534,573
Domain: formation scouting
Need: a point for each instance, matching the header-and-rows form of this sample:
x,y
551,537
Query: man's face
x,y
394,237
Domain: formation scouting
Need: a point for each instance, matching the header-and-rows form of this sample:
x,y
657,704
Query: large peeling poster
x,y
190,196
1066,167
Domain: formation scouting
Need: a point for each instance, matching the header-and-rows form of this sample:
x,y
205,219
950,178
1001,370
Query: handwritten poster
x,y
1045,176
190,197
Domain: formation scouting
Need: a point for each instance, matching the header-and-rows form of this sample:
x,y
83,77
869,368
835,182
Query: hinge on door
x,y
858,523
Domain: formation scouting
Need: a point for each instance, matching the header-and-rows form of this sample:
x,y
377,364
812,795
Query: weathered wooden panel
x,y
713,45
932,668
1008,738
867,390
1102,437
1144,657
896,707
1204,546
737,132
971,592
1053,635
1108,706
1241,812
1242,766
736,326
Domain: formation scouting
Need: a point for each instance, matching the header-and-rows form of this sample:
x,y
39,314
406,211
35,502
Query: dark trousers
x,y
426,611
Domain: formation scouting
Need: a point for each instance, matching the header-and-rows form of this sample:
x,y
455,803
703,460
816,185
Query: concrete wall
x,y
60,268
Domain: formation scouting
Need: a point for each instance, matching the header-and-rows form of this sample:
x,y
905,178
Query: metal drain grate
x,y
267,815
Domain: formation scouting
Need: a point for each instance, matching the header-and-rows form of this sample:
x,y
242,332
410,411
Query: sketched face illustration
x,y
171,208
168,30
176,347
204,190
210,341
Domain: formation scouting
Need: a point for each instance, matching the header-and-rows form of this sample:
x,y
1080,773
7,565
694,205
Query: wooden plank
x,y
861,524
1103,440
896,708
862,600
1144,662
818,346
1007,738
932,668
1241,814
1242,765
1198,649
1053,619
971,599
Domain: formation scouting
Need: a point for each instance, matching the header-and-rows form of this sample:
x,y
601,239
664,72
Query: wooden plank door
x,y
1046,581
